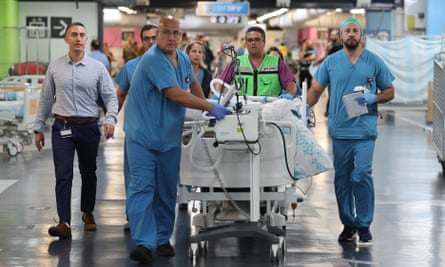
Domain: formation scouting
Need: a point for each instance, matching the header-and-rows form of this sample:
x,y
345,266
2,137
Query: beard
x,y
351,45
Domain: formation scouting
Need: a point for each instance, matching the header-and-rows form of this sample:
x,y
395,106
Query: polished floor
x,y
409,225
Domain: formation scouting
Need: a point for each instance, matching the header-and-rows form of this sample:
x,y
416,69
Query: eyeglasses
x,y
149,38
175,34
251,40
74,35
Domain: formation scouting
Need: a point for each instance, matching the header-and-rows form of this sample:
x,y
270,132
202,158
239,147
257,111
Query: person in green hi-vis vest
x,y
262,74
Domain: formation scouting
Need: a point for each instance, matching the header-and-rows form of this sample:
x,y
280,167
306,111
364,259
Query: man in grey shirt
x,y
70,90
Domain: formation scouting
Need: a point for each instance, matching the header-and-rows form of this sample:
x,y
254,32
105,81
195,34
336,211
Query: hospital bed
x,y
18,111
242,170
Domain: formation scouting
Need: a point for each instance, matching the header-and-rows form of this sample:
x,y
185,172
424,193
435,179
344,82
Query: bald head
x,y
169,34
168,21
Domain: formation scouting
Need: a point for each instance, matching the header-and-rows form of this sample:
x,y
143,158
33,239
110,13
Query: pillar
x,y
9,35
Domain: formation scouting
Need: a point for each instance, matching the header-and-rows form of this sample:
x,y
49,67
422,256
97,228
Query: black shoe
x,y
127,227
141,254
365,237
166,250
61,230
348,234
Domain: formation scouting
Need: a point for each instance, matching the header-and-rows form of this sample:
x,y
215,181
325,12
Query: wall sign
x,y
37,27
59,26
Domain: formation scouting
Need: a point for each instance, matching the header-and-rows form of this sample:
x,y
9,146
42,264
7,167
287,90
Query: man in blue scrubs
x,y
153,122
353,138
123,79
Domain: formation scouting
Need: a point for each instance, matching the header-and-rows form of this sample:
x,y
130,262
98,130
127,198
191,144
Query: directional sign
x,y
59,26
222,9
225,19
37,27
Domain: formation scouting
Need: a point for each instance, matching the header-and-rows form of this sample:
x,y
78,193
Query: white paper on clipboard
x,y
354,109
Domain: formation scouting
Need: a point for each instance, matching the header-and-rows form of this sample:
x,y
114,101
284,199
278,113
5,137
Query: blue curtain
x,y
411,60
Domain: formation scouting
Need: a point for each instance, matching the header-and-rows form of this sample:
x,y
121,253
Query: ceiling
x,y
186,10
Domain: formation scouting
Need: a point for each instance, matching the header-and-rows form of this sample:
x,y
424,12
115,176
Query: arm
x,y
291,88
121,96
287,78
314,93
187,99
45,103
226,76
304,55
385,95
39,140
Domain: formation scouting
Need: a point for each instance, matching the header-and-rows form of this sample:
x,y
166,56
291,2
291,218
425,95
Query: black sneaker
x,y
141,254
166,250
62,230
348,234
365,237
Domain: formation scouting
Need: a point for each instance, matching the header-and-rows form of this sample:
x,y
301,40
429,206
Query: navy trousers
x,y
85,141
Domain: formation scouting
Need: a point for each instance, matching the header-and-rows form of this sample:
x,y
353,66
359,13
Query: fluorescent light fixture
x,y
275,13
112,15
357,11
127,10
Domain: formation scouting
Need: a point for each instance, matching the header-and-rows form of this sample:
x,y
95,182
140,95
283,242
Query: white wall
x,y
49,49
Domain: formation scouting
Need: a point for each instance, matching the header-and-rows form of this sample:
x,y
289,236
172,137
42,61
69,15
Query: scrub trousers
x,y
152,182
85,141
354,187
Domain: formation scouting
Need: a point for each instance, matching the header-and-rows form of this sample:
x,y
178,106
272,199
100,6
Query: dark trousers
x,y
85,141
305,75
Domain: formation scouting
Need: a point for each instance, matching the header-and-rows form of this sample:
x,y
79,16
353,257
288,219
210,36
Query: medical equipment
x,y
241,169
18,111
232,165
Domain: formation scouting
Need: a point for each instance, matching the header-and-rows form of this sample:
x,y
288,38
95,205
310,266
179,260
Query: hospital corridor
x,y
408,227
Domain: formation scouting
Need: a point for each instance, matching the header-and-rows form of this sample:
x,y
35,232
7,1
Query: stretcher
x,y
18,111
243,171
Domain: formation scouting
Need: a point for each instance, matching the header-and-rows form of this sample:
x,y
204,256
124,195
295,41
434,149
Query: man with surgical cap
x,y
353,70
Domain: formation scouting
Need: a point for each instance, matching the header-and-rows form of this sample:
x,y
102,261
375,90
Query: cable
x,y
221,182
286,159
245,138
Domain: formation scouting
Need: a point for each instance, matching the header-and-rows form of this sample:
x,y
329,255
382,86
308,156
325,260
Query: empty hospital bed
x,y
18,110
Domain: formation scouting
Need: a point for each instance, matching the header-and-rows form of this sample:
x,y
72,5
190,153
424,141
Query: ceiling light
x,y
275,13
111,15
357,11
127,10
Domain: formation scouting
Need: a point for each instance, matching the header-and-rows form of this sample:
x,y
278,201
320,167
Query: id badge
x,y
65,133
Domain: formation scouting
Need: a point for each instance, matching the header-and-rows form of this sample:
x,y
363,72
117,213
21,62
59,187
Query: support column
x,y
9,35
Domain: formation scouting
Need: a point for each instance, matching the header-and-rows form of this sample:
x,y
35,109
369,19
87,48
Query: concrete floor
x,y
409,225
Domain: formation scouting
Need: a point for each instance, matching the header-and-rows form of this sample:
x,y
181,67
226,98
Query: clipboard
x,y
354,109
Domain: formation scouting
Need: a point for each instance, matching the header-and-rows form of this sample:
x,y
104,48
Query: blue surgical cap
x,y
351,20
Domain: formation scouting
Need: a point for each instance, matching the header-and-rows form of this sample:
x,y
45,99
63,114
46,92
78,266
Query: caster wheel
x,y
12,150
